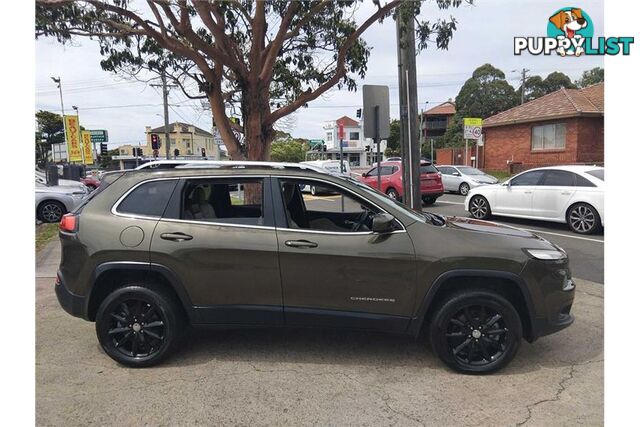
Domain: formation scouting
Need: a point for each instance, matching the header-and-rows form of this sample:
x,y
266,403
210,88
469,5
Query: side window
x,y
395,169
583,182
229,201
428,168
528,178
148,199
373,172
445,170
558,178
386,170
341,212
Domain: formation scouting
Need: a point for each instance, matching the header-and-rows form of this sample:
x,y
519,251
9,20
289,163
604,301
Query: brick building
x,y
436,120
563,127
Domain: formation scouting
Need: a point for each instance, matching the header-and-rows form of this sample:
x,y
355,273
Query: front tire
x,y
583,219
475,331
314,191
479,207
392,193
51,211
464,189
139,325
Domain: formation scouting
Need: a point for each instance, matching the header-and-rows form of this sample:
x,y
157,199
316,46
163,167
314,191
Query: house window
x,y
329,136
172,141
354,136
548,137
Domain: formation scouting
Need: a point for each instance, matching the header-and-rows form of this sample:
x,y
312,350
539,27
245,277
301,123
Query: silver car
x,y
54,201
461,179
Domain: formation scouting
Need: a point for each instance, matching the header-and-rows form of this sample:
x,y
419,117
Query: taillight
x,y
69,223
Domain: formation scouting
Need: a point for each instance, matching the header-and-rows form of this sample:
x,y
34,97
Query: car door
x,y
446,172
551,198
455,179
335,274
217,236
516,196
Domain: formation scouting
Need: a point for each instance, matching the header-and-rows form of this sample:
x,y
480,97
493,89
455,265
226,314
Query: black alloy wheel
x,y
583,219
479,207
464,189
476,332
51,211
138,325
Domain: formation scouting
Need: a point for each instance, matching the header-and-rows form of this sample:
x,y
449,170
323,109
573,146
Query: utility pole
x,y
410,147
165,101
524,81
64,124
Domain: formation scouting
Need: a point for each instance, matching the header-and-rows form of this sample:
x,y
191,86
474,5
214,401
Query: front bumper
x,y
71,303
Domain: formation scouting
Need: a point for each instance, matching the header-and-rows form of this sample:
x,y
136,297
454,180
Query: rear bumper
x,y
71,303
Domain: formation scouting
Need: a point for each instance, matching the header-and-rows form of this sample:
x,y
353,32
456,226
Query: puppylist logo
x,y
570,33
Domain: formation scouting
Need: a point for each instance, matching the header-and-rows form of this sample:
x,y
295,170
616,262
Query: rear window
x,y
148,199
428,168
598,173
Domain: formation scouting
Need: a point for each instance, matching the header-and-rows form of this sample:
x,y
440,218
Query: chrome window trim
x,y
219,224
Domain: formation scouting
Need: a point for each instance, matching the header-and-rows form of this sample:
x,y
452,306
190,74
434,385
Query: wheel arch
x,y
111,275
42,202
508,285
577,202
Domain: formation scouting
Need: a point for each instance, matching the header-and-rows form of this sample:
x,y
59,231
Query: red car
x,y
391,180
90,182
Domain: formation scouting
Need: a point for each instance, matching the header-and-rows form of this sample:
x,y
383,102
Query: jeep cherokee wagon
x,y
238,244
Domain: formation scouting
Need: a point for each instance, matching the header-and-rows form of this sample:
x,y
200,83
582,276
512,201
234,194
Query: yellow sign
x,y
86,147
471,121
72,127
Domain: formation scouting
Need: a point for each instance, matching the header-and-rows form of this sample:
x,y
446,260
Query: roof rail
x,y
233,164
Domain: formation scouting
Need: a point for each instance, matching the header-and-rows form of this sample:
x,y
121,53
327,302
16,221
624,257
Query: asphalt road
x,y
312,377
586,253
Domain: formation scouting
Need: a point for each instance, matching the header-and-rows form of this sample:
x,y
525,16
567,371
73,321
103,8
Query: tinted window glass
x,y
373,172
583,182
386,170
598,173
558,178
528,178
428,168
340,212
148,199
230,201
445,170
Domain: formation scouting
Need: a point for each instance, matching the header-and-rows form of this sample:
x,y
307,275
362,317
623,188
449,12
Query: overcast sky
x,y
485,34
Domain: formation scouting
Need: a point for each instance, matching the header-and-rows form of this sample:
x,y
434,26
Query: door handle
x,y
565,193
176,237
302,244
527,192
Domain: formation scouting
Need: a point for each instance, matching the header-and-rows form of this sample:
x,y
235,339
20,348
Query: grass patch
x,y
45,233
501,175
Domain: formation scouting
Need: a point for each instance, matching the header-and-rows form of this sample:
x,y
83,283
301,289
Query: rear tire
x,y
583,219
51,211
428,200
313,190
139,325
475,331
479,207
464,189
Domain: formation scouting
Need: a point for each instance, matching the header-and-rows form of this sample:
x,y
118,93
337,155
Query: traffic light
x,y
359,112
155,141
324,147
176,152
139,151
135,152
103,149
367,148
204,154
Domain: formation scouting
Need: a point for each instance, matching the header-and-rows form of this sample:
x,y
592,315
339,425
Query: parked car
x,y
330,166
151,253
391,180
91,182
52,202
566,194
77,185
460,179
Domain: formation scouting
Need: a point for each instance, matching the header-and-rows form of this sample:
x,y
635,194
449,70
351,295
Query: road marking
x,y
450,203
553,234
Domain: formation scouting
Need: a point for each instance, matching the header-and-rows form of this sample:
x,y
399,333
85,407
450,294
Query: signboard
x,y
472,128
86,147
480,142
375,96
99,135
72,128
313,143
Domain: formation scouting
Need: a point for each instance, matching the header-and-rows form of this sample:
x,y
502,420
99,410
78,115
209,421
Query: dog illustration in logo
x,y
569,22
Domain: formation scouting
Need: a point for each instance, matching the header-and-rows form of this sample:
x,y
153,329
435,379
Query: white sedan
x,y
566,194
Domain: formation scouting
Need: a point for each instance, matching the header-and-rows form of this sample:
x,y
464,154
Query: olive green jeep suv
x,y
238,244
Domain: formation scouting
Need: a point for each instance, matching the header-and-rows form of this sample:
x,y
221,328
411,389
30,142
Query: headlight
x,y
546,254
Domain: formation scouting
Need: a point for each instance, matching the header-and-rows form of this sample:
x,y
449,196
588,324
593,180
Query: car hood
x,y
471,224
484,179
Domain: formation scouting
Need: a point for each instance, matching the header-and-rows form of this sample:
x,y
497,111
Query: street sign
x,y
340,130
480,141
375,96
99,135
472,128
315,143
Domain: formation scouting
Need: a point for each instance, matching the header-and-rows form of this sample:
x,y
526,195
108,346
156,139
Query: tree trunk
x,y
257,135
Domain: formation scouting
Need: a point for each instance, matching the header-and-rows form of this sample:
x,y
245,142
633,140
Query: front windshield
x,y
468,170
386,200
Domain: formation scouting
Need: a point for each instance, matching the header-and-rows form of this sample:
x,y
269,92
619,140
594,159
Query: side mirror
x,y
382,223
456,174
364,174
